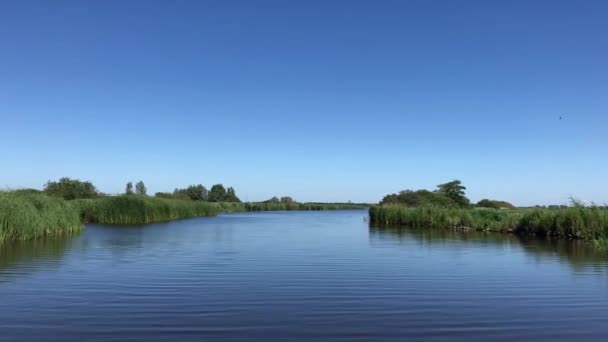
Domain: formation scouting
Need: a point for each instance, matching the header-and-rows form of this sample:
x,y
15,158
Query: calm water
x,y
299,276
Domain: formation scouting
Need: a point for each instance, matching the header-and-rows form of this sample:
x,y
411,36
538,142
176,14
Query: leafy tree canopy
x,y
70,189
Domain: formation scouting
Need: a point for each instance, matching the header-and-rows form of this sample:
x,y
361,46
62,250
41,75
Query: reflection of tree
x,y
579,254
32,254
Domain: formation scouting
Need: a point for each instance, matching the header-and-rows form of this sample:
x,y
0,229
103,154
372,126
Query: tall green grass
x,y
132,209
588,223
25,216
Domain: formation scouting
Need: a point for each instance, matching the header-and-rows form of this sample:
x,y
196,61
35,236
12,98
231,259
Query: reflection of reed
x,y
47,251
578,254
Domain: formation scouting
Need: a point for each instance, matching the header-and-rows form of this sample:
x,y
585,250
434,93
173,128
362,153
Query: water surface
x,y
299,276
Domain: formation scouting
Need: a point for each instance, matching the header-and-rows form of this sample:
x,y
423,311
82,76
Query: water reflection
x,y
579,255
19,258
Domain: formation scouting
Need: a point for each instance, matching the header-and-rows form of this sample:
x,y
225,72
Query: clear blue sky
x,y
320,100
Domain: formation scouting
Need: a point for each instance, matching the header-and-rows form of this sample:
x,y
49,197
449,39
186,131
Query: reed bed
x,y
133,209
25,216
587,223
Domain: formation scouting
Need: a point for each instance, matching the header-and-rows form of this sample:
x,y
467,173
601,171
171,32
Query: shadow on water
x,y
579,255
19,258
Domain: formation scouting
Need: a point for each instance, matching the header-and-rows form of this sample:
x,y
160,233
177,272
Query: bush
x,y
419,198
486,203
70,189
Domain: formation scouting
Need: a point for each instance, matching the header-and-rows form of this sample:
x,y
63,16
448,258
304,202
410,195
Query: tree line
x,y
450,194
217,193
70,189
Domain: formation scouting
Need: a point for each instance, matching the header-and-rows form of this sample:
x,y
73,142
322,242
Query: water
x,y
299,276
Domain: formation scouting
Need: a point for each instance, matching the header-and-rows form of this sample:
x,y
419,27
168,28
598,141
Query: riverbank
x,y
25,215
578,222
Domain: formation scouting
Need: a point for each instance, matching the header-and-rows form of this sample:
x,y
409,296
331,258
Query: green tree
x,y
287,199
71,189
275,199
418,198
231,195
129,189
217,193
455,191
197,192
140,188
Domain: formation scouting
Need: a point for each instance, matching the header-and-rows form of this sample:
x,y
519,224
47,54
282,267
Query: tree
x,y
455,191
197,192
231,195
275,199
71,189
140,188
287,199
129,189
217,193
419,198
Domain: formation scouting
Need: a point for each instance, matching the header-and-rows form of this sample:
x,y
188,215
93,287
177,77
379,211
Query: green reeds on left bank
x,y
133,209
30,214
25,216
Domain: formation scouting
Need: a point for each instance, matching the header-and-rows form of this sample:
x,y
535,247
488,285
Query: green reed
x,y
25,216
587,223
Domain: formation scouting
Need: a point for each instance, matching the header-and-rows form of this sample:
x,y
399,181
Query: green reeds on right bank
x,y
578,222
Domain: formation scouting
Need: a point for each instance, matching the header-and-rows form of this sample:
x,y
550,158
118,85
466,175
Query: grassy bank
x,y
28,215
141,209
587,223
25,216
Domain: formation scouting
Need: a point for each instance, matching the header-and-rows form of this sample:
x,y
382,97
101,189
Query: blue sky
x,y
320,100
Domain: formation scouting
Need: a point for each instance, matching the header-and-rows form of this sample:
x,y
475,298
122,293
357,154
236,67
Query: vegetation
x,y
219,194
486,203
454,190
140,209
28,215
447,195
140,189
70,189
129,188
65,205
276,206
418,198
588,223
448,207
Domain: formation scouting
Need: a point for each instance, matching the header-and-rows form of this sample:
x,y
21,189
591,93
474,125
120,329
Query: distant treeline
x,y
70,189
447,195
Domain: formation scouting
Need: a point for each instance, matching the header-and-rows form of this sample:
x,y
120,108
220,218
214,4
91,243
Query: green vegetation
x,y
418,198
447,195
448,207
28,215
486,203
140,209
64,206
588,223
276,206
70,189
